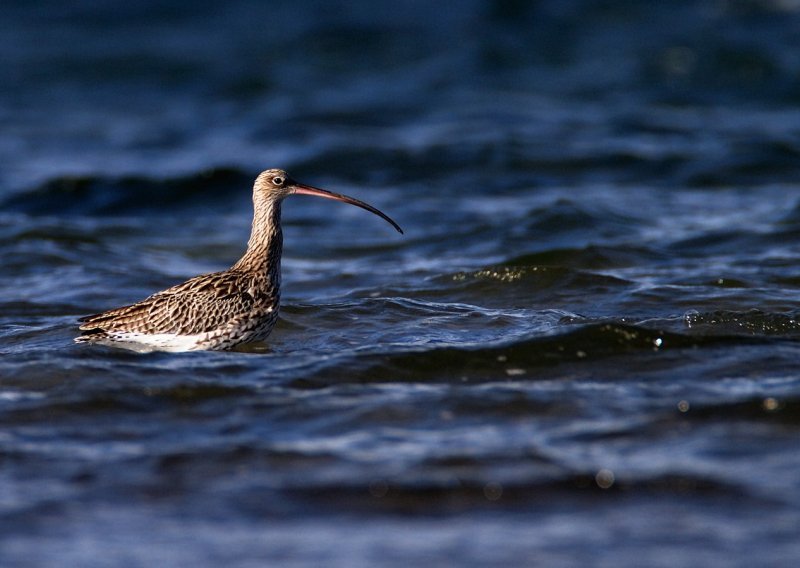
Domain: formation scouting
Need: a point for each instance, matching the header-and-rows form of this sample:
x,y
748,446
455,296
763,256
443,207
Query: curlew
x,y
222,310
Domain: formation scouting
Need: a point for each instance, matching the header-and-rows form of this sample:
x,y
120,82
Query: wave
x,y
752,322
108,196
577,341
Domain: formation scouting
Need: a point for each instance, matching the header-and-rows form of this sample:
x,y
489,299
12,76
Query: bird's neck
x,y
266,239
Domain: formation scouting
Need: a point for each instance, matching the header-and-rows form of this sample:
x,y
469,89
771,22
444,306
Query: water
x,y
584,350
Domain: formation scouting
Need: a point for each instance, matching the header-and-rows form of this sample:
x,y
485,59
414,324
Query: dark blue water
x,y
584,351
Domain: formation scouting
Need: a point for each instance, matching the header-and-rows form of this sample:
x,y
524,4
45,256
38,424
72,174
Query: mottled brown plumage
x,y
221,310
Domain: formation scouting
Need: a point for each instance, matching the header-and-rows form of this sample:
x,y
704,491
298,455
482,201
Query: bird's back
x,y
219,306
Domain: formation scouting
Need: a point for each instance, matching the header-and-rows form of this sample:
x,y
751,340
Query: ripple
x,y
100,196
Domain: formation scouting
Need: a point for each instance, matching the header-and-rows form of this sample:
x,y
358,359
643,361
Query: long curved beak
x,y
301,189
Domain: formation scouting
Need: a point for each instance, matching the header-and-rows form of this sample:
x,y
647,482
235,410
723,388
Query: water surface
x,y
584,350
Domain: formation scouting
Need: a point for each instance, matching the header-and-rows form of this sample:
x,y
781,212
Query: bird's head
x,y
276,185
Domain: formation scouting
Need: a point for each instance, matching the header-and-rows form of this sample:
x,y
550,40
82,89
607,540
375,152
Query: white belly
x,y
145,343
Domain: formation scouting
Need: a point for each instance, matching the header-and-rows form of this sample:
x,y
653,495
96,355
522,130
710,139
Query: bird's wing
x,y
200,304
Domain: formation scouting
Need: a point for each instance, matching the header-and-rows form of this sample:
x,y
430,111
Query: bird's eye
x,y
277,180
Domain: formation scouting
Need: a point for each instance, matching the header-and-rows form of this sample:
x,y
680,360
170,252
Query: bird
x,y
220,311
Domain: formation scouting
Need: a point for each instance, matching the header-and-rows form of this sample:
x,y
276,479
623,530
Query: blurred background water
x,y
584,351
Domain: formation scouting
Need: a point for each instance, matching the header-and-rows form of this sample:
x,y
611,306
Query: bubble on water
x,y
604,478
691,317
683,406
